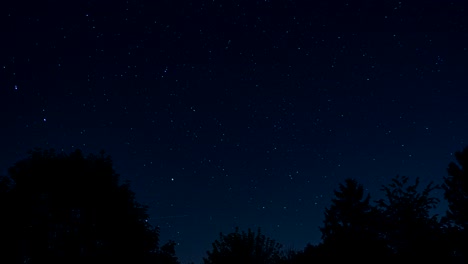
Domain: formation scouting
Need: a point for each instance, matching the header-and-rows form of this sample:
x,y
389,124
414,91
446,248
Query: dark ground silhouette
x,y
58,208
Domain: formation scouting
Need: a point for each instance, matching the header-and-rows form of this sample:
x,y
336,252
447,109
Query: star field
x,y
238,113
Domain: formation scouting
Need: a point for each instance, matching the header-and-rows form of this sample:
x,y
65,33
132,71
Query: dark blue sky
x,y
238,113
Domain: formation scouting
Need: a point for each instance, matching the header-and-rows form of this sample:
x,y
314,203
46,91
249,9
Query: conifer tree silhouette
x,y
351,226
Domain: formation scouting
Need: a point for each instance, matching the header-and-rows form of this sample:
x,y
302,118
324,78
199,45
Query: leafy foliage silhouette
x,y
351,226
456,189
58,208
456,193
244,247
62,208
410,230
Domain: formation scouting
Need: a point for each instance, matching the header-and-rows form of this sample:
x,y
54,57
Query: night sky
x,y
238,113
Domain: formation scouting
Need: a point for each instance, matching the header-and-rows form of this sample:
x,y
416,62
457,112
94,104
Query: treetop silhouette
x,y
70,208
63,208
351,226
244,247
456,189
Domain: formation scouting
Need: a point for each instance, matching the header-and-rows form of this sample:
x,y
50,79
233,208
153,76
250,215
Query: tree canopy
x,y
456,193
456,189
244,247
60,208
407,225
71,208
351,225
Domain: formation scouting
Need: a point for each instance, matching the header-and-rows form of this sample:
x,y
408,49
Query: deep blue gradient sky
x,y
238,113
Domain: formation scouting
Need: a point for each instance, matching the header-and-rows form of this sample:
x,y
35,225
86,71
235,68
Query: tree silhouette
x,y
408,227
60,208
9,241
456,193
456,189
351,226
166,254
310,254
244,247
